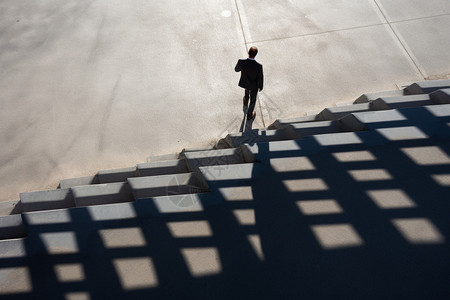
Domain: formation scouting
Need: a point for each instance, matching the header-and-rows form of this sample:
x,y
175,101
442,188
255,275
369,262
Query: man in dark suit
x,y
251,79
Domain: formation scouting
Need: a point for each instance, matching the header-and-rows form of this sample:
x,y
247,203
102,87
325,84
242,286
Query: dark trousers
x,y
250,94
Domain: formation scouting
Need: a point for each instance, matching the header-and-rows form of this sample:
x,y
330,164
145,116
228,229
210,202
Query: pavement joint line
x,y
400,41
240,21
319,33
262,115
349,28
421,18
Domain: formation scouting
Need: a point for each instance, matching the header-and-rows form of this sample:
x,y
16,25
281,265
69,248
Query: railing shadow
x,y
310,222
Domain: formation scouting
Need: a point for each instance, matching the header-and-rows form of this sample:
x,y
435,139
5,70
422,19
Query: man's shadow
x,y
246,125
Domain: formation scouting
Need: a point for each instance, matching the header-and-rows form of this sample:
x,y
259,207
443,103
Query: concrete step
x,y
299,130
99,194
228,156
441,96
230,175
313,144
14,248
365,98
384,103
11,227
10,208
165,185
117,175
379,135
197,149
427,87
145,207
277,148
177,204
370,120
164,157
406,123
162,168
257,136
281,123
71,182
69,231
232,182
45,200
335,113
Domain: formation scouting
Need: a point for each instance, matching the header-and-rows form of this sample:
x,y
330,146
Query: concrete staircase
x,y
319,207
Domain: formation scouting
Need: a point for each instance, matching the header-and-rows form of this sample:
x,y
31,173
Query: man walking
x,y
251,79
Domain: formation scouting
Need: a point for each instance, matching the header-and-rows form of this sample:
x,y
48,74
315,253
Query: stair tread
x,y
198,159
162,167
163,185
48,199
14,248
116,175
280,123
426,87
100,194
11,227
334,113
71,182
441,96
364,98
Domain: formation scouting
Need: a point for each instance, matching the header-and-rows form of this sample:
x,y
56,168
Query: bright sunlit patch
x,y
190,229
346,138
352,156
12,248
438,110
78,296
426,156
202,261
391,199
283,146
305,185
255,242
319,207
442,179
245,216
337,236
178,203
402,133
122,237
15,281
69,272
238,193
60,242
387,116
291,164
226,14
136,273
370,175
112,212
419,231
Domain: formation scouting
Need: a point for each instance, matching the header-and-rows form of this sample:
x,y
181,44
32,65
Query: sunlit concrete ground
x,y
90,85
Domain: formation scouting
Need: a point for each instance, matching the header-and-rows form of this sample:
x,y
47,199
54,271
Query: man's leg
x,y
251,108
246,97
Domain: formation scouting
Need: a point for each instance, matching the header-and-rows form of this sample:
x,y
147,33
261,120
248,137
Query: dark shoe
x,y
245,101
251,117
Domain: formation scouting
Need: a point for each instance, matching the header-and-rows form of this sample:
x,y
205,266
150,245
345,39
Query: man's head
x,y
252,52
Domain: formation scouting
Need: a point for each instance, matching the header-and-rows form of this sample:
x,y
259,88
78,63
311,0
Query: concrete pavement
x,y
91,85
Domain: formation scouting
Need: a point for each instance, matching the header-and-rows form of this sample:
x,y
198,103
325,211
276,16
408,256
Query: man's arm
x,y
261,79
238,67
